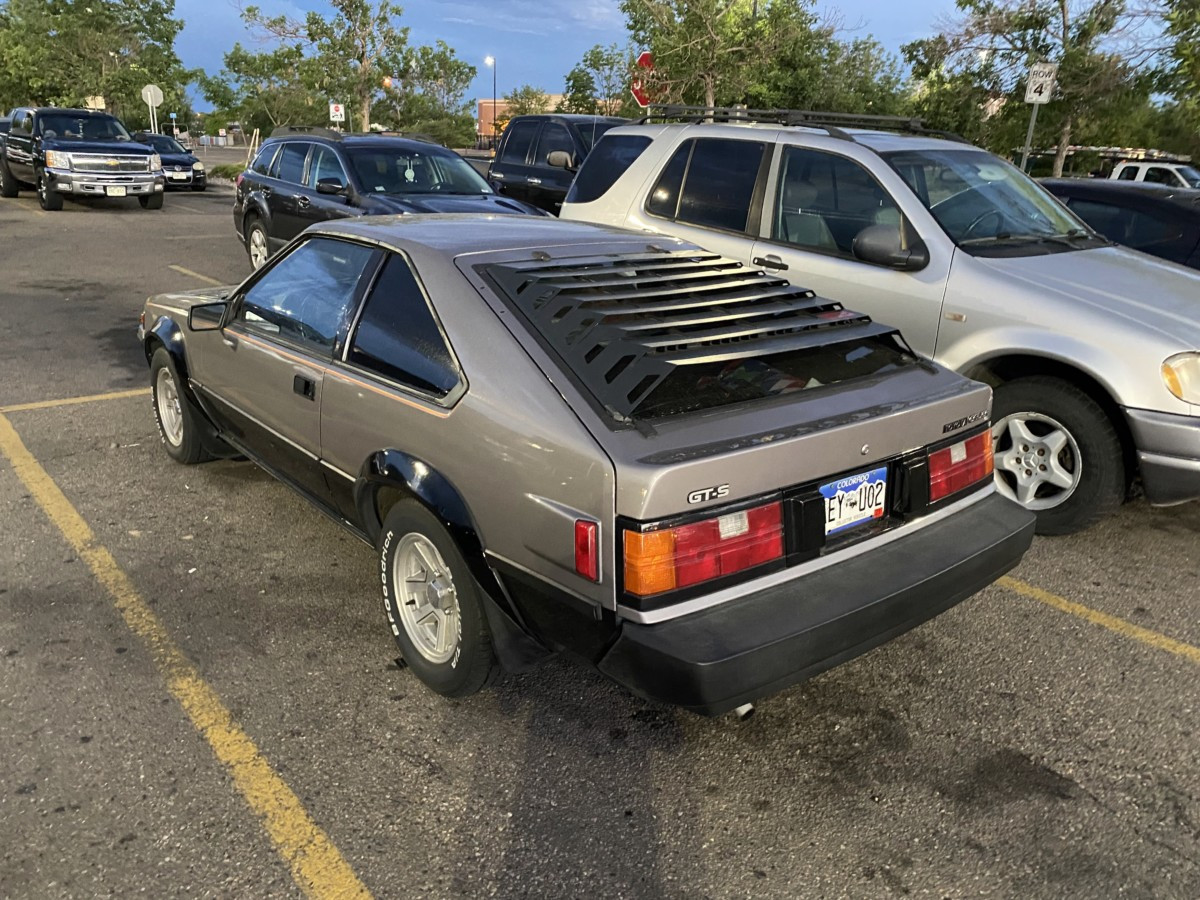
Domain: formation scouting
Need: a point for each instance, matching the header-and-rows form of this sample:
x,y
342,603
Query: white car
x,y
1174,174
1093,350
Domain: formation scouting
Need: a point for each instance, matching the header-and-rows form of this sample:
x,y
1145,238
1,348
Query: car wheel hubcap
x,y
426,598
170,411
258,248
1038,463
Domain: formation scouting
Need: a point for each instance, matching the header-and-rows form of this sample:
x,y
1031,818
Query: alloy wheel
x,y
426,598
1038,463
170,410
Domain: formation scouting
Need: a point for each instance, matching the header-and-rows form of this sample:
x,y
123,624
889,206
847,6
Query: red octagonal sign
x,y
638,87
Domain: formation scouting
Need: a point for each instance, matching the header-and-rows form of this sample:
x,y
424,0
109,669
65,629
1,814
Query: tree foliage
x,y
63,52
527,99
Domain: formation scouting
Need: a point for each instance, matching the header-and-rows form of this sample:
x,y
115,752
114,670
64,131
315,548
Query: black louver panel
x,y
624,323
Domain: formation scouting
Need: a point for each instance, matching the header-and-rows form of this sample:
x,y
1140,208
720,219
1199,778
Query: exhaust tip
x,y
744,712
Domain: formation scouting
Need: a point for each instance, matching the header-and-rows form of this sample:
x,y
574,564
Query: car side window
x,y
1104,217
518,139
20,123
554,137
325,164
717,189
824,200
1159,175
289,164
305,296
262,162
399,338
1129,173
1155,234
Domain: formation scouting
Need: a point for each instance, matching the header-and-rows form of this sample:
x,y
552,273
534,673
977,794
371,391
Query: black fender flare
x,y
166,333
394,469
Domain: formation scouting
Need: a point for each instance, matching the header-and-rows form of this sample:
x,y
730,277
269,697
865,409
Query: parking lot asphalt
x,y
200,696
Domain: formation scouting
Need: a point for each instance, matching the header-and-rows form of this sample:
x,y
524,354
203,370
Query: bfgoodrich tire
x,y
433,604
174,413
1057,454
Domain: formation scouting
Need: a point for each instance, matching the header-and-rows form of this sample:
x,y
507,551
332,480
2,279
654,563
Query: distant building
x,y
487,112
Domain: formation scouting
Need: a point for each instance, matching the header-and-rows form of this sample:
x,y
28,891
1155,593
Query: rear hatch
x,y
737,407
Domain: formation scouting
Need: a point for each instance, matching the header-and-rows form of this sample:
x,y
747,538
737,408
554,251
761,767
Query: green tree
x,y
527,99
610,69
348,55
580,93
66,51
1182,19
429,97
264,90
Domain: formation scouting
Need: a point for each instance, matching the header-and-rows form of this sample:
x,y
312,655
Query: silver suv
x,y
703,481
1093,350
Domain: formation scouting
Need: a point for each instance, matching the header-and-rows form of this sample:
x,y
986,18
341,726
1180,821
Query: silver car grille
x,y
108,164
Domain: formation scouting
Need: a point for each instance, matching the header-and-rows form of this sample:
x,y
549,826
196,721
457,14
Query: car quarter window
x,y
1129,173
709,182
1159,175
398,337
554,137
823,201
518,139
305,296
325,165
289,164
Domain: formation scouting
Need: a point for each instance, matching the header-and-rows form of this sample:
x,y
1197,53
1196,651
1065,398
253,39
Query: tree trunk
x,y
1064,141
364,113
710,93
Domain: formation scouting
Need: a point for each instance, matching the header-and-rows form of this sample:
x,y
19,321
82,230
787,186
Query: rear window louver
x,y
623,323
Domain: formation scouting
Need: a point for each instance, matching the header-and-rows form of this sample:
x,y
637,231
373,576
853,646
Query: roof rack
x,y
335,135
833,123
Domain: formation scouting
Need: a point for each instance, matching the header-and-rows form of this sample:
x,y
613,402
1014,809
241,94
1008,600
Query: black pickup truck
x,y
76,151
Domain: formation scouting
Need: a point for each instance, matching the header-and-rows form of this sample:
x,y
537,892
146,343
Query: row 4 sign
x,y
1040,86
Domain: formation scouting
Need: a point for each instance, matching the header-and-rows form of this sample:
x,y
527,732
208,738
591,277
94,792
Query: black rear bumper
x,y
716,660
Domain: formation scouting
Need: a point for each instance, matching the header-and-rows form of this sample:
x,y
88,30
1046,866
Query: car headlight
x,y
198,166
155,162
56,159
1181,375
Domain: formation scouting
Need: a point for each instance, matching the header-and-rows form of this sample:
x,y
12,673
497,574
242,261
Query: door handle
x,y
265,191
304,203
770,262
230,341
534,180
305,387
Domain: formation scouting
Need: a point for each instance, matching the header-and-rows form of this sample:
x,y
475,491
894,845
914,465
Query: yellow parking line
x,y
1104,620
317,866
182,271
71,401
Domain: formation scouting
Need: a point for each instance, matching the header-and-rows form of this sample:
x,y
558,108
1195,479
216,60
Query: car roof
x,y
69,111
358,140
879,141
583,118
456,234
1110,187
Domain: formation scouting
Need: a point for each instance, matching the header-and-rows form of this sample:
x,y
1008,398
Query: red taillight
x,y
959,466
238,181
670,558
587,549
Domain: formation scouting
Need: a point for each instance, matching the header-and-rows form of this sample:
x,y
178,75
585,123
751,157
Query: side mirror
x,y
330,186
883,245
206,316
561,159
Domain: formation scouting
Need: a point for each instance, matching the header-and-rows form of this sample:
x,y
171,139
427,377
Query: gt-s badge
x,y
963,423
705,494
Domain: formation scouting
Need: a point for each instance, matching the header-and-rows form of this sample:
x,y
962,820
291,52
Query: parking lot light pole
x,y
490,62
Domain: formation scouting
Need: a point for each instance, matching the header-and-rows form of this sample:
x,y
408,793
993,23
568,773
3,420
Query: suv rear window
x,y
709,182
659,334
604,165
517,140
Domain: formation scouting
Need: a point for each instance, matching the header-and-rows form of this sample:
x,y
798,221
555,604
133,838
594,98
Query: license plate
x,y
855,499
115,190
179,176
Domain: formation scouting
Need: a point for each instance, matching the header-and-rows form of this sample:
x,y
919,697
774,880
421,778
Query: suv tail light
x,y
670,558
238,181
959,466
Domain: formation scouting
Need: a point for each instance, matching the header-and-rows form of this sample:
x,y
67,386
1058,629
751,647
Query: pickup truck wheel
x,y
51,201
151,201
174,413
433,604
256,243
1056,453
8,184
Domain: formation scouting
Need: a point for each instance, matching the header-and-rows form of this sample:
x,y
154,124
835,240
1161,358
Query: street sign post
x,y
1039,88
153,96
638,86
337,112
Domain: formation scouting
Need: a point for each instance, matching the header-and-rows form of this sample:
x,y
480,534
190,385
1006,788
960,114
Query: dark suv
x,y
307,175
523,169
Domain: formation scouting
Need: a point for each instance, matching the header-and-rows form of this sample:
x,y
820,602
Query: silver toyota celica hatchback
x,y
703,481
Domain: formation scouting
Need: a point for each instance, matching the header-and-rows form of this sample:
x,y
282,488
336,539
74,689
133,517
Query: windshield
x,y
979,199
82,128
163,144
403,171
1190,175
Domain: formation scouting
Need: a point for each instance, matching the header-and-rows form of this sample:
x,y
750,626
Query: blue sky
x,y
534,41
